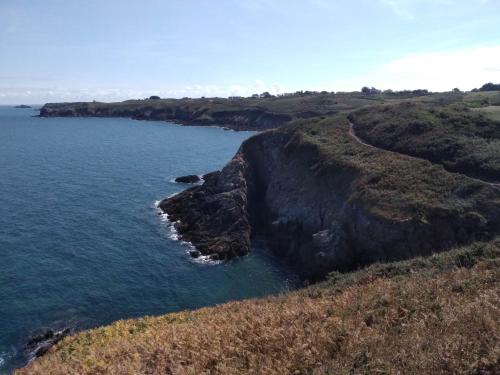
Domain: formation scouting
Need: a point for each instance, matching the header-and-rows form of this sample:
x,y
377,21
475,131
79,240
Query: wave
x,y
174,235
4,357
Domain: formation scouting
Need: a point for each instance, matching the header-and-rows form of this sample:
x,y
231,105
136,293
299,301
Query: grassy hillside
x,y
460,139
492,112
436,315
388,180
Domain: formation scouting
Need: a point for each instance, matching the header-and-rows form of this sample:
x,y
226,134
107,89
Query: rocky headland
x,y
340,182
327,201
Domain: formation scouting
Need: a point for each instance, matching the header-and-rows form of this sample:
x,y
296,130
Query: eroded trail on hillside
x,y
353,135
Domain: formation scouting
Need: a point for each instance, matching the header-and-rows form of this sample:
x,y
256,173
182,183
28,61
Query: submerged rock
x,y
189,179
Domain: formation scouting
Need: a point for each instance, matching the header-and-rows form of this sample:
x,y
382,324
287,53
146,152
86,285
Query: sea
x,y
82,243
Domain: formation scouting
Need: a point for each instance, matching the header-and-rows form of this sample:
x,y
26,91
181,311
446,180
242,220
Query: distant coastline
x,y
262,112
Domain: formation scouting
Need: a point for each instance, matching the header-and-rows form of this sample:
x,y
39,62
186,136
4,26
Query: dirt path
x,y
353,135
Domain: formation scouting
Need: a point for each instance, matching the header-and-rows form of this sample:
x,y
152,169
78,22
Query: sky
x,y
108,50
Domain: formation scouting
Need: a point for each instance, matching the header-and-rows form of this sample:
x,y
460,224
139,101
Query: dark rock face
x,y
40,344
189,179
214,216
316,216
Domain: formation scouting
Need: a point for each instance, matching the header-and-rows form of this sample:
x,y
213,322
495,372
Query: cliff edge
x,y
326,201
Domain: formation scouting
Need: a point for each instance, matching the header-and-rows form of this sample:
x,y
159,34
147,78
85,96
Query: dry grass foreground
x,y
436,315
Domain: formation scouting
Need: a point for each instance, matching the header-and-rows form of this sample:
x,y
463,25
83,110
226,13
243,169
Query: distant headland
x,y
264,111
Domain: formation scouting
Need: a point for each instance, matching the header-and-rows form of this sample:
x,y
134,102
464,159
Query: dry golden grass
x,y
438,315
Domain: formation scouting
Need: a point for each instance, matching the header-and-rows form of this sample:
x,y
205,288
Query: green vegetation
x,y
492,112
461,140
388,180
435,315
482,99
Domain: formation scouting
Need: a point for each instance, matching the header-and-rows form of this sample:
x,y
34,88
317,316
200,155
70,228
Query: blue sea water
x,y
81,243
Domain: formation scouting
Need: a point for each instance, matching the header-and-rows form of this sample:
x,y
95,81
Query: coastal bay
x,y
81,241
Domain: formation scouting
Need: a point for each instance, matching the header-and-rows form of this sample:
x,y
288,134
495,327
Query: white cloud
x,y
437,71
44,95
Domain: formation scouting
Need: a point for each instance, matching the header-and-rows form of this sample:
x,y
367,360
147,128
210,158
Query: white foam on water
x,y
205,259
3,358
175,236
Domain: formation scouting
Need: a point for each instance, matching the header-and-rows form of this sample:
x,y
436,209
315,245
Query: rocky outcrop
x,y
214,216
189,179
233,118
330,203
40,344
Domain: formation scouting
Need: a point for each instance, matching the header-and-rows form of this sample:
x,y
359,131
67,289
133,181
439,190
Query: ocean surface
x,y
81,242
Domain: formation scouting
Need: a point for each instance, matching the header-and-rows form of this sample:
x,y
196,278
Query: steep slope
x,y
326,202
437,315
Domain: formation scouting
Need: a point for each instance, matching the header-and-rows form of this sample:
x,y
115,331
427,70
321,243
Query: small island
x,y
22,106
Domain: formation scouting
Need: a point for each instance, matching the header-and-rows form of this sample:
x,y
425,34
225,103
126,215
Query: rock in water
x,y
189,179
40,344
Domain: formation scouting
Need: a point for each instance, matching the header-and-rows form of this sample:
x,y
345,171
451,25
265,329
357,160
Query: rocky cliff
x,y
194,112
326,202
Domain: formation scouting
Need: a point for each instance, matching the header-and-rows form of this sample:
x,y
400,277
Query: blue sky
x,y
55,50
